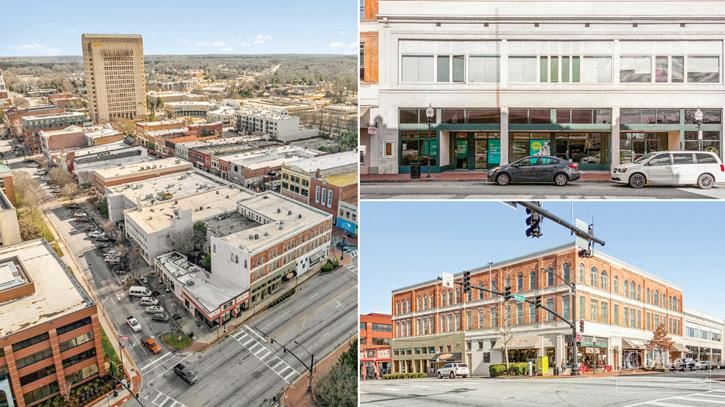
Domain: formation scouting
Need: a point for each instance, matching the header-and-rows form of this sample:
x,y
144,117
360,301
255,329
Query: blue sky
x,y
183,27
403,243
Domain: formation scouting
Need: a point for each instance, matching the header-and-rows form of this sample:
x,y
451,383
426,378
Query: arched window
x,y
626,289
594,277
605,280
657,297
450,297
615,285
507,282
520,282
639,292
581,279
480,292
550,277
443,298
648,298
458,295
494,285
532,281
425,302
566,271
631,289
420,304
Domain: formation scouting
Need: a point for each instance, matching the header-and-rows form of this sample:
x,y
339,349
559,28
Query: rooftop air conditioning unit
x,y
299,216
279,210
251,237
289,212
256,236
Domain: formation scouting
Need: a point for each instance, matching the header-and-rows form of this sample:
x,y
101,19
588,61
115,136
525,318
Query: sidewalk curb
x,y
434,181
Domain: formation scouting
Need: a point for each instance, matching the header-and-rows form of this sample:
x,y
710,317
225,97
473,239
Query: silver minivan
x,y
701,168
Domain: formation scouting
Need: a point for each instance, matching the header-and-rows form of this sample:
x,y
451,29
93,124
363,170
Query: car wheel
x,y
561,179
637,181
440,376
451,375
503,179
465,376
706,181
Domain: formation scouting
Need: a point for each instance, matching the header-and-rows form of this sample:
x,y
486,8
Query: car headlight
x,y
620,170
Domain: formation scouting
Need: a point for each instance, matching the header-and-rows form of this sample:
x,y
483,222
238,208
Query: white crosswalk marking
x,y
252,342
706,398
353,253
352,268
160,399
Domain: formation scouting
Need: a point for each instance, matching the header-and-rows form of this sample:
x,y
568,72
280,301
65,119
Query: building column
x,y
97,335
57,360
504,135
614,138
14,379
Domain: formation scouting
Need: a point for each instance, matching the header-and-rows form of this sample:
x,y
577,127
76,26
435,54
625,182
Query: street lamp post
x,y
429,112
698,118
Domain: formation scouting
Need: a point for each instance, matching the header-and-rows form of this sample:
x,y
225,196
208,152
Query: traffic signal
x,y
581,325
507,293
538,301
533,221
466,281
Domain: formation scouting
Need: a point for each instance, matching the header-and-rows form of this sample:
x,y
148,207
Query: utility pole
x,y
309,367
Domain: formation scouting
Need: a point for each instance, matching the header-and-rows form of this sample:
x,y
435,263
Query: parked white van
x,y
139,291
149,301
700,168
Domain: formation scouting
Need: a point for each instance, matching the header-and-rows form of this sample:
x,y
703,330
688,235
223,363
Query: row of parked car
x,y
692,364
674,168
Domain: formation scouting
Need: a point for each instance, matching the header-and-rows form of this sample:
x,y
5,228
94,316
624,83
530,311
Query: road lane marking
x,y
157,360
700,400
261,352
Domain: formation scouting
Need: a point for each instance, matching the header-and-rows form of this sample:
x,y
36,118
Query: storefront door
x,y
461,152
481,153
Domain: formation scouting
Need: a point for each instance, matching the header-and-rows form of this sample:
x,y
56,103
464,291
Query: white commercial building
x,y
277,125
189,108
248,167
155,190
224,114
154,228
595,82
703,336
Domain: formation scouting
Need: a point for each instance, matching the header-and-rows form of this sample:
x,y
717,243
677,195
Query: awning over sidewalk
x,y
447,357
520,342
678,347
632,344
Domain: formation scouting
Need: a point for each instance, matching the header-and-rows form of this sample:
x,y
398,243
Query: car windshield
x,y
645,157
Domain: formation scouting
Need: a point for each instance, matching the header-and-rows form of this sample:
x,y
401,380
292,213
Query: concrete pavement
x,y
669,390
576,190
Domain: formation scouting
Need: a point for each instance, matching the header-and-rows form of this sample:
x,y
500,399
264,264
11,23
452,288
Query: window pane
x,y
678,69
649,116
540,116
635,69
459,70
444,73
522,69
565,69
575,67
683,158
597,69
668,116
483,116
710,116
417,69
581,116
703,69
603,116
452,116
661,69
483,69
630,116
554,69
563,116
409,116
518,116
544,69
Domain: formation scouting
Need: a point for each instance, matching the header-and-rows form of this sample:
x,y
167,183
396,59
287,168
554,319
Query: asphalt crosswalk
x,y
704,398
254,343
352,267
160,399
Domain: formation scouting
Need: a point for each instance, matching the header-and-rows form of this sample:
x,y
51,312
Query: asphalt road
x,y
666,390
245,368
577,190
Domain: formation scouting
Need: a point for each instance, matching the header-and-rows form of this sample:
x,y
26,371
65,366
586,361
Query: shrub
x,y
497,369
518,369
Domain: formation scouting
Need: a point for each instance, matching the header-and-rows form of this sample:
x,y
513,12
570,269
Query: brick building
x,y
327,192
620,304
50,335
33,125
376,332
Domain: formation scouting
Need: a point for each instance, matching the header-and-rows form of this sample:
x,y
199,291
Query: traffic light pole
x,y
548,215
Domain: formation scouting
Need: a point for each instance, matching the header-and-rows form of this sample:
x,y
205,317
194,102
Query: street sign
x,y
578,338
447,280
519,298
372,130
582,243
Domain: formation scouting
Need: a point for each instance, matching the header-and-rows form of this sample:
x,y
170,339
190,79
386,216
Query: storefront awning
x,y
519,342
678,347
447,357
632,344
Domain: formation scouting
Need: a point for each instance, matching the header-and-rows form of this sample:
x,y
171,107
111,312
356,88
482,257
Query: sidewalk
x,y
463,176
296,394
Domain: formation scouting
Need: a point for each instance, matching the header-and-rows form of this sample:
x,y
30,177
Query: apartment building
x,y
296,177
597,83
115,81
620,304
224,114
32,126
153,228
278,126
376,332
50,335
107,177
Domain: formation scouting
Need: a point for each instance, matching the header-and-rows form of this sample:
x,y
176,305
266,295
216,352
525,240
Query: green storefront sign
x,y
494,152
461,148
430,147
539,147
588,342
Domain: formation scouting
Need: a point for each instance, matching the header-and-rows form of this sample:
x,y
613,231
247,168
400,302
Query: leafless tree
x,y
70,191
505,331
183,240
59,177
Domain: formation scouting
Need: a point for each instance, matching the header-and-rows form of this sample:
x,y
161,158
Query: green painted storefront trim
x,y
471,127
670,127
559,127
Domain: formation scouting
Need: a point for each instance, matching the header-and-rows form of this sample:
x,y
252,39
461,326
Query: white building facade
x,y
593,82
703,336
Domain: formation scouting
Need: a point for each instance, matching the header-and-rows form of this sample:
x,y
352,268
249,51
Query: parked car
x,y
96,233
535,169
149,301
703,365
133,324
154,309
700,168
186,373
160,318
138,291
150,343
684,364
79,214
451,370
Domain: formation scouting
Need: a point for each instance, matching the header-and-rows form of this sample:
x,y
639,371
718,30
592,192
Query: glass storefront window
x,y
492,116
590,150
452,116
661,72
710,141
668,116
603,116
635,69
703,69
710,116
541,116
633,145
411,142
519,116
649,116
408,116
582,116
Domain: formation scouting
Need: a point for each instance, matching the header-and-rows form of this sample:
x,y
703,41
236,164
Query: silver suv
x,y
451,370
